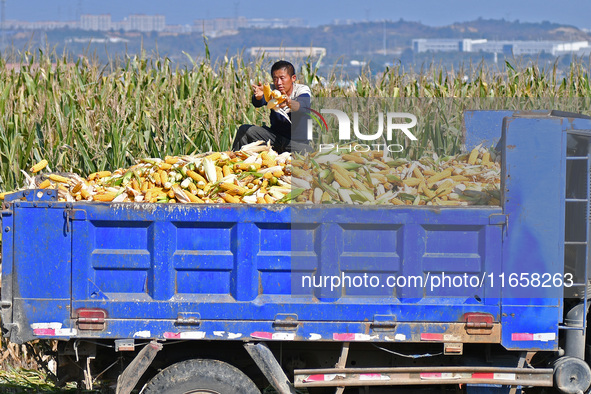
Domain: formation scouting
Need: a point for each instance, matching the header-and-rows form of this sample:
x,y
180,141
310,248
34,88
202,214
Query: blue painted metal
x,y
236,270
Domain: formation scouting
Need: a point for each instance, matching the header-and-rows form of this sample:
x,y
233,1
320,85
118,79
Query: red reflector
x,y
478,318
91,319
483,375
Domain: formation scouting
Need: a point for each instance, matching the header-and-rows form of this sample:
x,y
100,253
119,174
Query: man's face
x,y
283,81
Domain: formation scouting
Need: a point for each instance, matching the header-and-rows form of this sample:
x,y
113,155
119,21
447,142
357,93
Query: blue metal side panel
x,y
534,203
485,127
7,229
41,275
42,247
234,263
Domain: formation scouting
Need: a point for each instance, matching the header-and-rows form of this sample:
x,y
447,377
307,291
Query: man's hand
x,y
258,92
294,105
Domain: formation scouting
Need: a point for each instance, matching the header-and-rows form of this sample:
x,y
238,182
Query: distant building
x,y
216,25
42,25
136,22
275,23
146,23
96,22
435,45
508,47
340,22
221,26
287,52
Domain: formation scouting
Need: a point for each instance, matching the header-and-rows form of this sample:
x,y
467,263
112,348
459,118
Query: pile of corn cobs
x,y
258,175
374,178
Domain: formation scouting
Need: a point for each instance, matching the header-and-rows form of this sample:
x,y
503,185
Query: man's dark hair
x,y
283,64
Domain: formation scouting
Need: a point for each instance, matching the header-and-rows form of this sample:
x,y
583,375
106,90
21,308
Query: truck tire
x,y
201,377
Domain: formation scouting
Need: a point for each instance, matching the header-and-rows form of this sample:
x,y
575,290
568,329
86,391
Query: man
x,y
288,120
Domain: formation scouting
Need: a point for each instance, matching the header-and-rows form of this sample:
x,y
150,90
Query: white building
x,y
287,52
96,22
509,47
216,26
420,45
146,23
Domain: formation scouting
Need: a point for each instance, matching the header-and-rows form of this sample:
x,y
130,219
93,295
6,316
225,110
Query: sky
x,y
315,12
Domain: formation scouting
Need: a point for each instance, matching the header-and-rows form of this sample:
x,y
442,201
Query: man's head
x,y
283,74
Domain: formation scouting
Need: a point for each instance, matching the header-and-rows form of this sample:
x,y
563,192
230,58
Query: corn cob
x,y
45,184
105,197
58,178
39,166
233,189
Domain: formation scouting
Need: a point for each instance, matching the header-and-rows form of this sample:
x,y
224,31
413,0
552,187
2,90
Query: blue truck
x,y
179,298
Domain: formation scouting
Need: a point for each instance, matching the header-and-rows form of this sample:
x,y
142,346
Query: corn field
x,y
84,117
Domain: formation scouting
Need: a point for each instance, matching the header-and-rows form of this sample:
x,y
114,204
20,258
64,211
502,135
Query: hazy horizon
x,y
429,12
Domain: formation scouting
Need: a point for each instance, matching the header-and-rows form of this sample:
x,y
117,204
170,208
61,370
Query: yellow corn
x,y
268,163
353,158
397,201
214,156
232,188
278,173
58,178
84,193
417,172
105,197
341,176
157,180
267,175
163,176
459,178
171,160
247,166
439,176
412,181
194,198
344,181
170,193
229,198
165,166
39,166
261,200
135,185
473,156
192,188
196,177
445,185
99,175
226,170
428,192
218,174
76,188
45,184
269,199
485,158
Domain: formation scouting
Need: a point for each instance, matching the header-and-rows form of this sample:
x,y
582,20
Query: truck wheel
x,y
201,377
